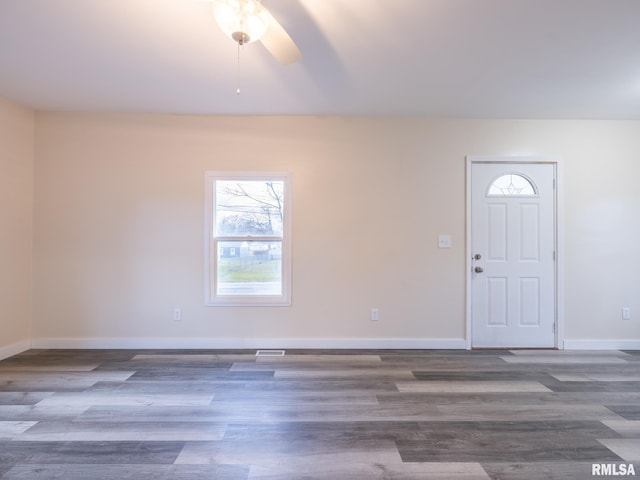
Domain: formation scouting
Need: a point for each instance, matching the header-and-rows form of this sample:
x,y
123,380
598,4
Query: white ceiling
x,y
460,58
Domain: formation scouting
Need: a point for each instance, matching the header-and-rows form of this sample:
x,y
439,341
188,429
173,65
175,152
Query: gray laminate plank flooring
x,y
318,414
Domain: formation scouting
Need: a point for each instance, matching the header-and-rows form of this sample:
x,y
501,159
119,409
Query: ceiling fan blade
x,y
279,43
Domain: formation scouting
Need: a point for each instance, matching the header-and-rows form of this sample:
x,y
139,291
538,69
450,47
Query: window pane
x,y
249,208
248,249
511,185
249,268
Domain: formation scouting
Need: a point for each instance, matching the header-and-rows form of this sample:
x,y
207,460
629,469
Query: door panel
x,y
530,235
496,301
496,232
513,233
530,301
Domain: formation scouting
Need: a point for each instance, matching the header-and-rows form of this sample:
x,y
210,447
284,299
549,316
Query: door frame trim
x,y
557,162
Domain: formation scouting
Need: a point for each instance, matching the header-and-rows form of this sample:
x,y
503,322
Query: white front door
x,y
513,251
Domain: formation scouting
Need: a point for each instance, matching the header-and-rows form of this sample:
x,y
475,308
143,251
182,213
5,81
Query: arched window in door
x,y
512,185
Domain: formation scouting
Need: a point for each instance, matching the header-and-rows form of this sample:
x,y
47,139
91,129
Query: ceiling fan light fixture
x,y
244,21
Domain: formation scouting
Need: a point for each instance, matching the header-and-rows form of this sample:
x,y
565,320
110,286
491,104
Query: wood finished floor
x,y
187,415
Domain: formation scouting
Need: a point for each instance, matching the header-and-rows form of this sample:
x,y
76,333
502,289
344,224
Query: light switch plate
x,y
444,241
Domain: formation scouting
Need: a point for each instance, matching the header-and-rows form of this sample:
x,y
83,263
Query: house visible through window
x,y
248,244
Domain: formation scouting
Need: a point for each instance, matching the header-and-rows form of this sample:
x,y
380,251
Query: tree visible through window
x,y
248,243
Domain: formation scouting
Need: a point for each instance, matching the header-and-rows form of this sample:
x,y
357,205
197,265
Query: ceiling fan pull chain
x,y
238,72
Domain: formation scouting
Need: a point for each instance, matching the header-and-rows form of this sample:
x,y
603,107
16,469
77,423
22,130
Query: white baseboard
x,y
14,349
633,344
291,343
250,343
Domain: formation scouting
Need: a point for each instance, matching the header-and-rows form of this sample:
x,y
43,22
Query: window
x,y
512,185
248,239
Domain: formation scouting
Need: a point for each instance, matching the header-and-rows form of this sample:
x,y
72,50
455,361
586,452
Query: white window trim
x,y
210,257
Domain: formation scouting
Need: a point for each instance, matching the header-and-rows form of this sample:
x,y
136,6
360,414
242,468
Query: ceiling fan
x,y
246,21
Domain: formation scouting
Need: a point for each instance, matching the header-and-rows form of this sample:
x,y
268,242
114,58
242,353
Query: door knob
x,y
477,256
478,269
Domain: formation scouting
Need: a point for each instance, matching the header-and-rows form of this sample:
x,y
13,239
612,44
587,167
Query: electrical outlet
x,y
177,314
375,315
626,313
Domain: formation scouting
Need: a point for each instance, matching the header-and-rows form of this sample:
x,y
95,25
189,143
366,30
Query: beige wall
x,y
16,226
119,227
